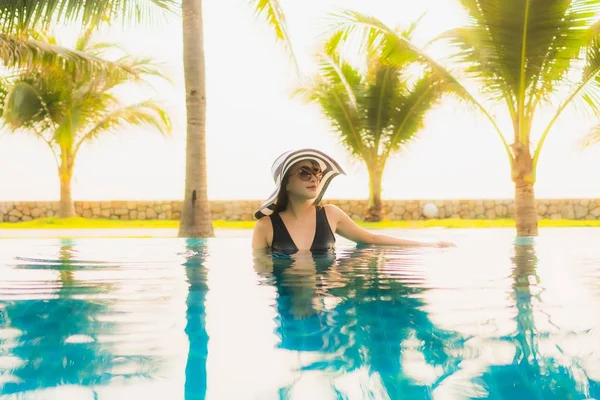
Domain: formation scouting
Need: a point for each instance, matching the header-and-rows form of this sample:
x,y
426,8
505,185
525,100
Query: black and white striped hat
x,y
282,164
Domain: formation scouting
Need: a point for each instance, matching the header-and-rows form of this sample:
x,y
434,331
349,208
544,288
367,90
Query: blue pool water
x,y
183,319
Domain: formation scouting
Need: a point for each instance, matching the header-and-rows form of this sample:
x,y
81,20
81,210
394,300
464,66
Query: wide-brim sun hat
x,y
282,164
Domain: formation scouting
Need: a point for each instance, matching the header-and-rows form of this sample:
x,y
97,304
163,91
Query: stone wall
x,y
243,210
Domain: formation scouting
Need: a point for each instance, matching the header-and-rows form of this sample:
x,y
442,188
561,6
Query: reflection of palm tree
x,y
389,313
58,342
532,374
374,316
195,371
65,255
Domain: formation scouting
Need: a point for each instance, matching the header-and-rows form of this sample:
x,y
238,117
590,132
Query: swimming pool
x,y
182,319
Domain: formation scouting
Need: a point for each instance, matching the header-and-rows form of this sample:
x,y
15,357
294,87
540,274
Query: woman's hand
x,y
444,244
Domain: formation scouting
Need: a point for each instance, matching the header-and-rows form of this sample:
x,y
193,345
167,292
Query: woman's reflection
x,y
352,315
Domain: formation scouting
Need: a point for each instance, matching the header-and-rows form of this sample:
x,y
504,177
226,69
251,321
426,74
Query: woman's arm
x,y
347,228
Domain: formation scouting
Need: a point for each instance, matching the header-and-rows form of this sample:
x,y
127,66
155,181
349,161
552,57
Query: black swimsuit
x,y
323,242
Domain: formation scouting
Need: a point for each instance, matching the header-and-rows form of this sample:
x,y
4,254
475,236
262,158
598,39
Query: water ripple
x,y
166,318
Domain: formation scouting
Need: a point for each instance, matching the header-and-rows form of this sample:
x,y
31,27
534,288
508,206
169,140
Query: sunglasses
x,y
306,173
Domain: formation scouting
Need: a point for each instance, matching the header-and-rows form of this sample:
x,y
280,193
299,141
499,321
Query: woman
x,y
296,220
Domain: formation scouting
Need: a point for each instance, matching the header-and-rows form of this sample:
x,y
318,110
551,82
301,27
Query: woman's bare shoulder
x,y
262,236
263,224
332,209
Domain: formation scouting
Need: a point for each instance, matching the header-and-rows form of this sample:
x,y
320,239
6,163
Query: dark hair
x,y
282,197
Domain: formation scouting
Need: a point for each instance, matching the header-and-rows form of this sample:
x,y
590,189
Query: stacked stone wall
x,y
242,210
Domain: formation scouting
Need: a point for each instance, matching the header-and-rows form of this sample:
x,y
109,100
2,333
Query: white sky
x,y
252,119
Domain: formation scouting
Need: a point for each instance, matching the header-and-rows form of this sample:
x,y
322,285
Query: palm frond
x,y
27,14
395,49
384,86
480,63
147,113
23,53
587,91
128,69
99,48
412,27
335,91
371,33
271,11
521,50
589,87
570,37
85,38
592,137
411,110
386,110
142,67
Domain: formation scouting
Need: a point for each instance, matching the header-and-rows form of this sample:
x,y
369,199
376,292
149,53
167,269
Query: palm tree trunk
x,y
195,217
66,209
375,208
525,205
525,209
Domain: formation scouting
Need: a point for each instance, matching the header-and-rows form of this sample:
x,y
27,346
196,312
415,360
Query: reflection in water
x,y
61,327
56,336
353,313
534,373
364,315
128,318
195,370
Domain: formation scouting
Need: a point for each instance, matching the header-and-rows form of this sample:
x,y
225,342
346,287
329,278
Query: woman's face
x,y
304,180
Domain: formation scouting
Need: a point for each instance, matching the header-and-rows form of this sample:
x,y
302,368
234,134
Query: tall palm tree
x,y
66,113
377,112
521,53
195,217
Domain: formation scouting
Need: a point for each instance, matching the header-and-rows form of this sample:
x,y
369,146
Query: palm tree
x,y
376,112
521,53
66,113
195,217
